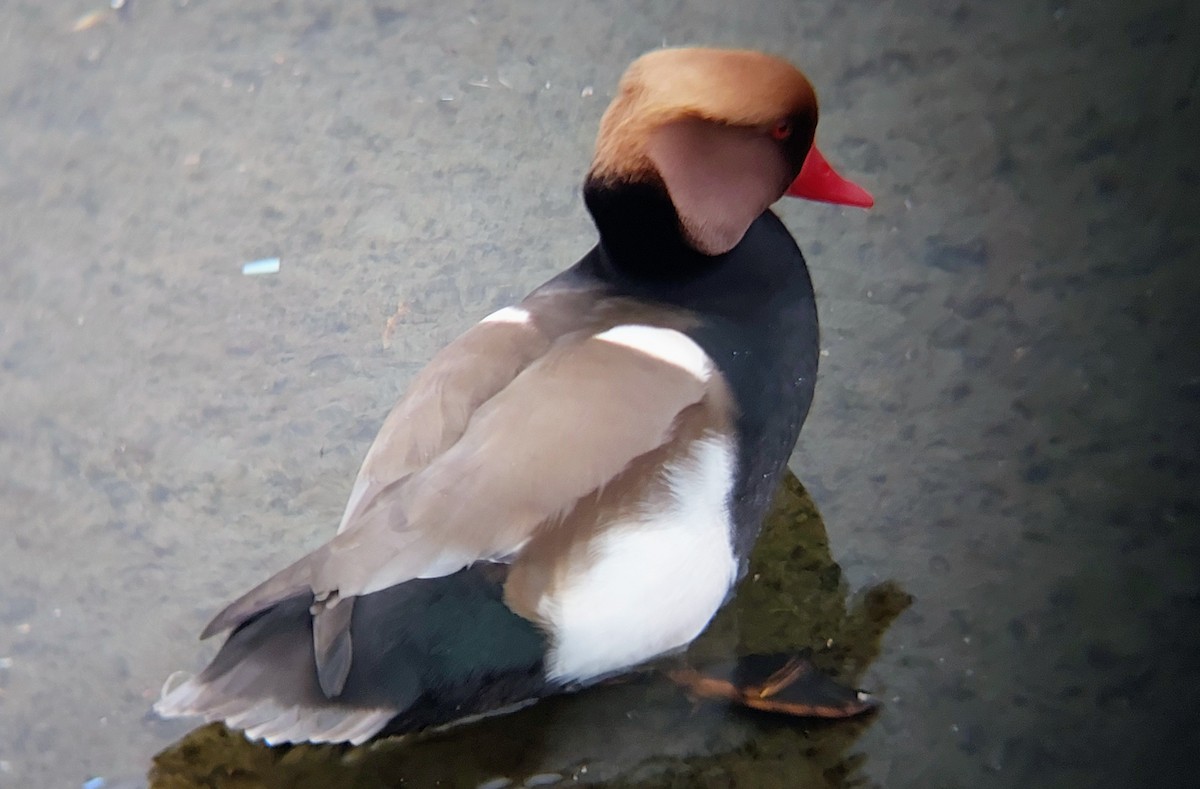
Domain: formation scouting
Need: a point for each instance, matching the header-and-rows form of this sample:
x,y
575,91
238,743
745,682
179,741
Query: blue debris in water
x,y
264,266
94,783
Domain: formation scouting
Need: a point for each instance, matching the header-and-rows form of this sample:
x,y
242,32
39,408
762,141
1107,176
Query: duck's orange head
x,y
724,132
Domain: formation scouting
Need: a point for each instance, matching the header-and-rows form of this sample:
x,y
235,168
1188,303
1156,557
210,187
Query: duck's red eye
x,y
782,130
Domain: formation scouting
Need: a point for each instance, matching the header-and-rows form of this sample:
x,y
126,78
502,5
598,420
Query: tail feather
x,y
426,653
332,644
264,681
293,580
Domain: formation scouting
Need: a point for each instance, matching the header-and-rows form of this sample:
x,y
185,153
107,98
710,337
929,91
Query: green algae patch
x,y
794,597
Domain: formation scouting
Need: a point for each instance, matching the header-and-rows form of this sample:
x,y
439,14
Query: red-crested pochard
x,y
572,487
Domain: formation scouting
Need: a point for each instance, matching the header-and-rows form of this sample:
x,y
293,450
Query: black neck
x,y
640,232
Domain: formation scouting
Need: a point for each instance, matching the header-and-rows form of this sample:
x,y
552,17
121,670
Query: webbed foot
x,y
782,683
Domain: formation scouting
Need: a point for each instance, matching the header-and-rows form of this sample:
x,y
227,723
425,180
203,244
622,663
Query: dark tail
x,y
426,652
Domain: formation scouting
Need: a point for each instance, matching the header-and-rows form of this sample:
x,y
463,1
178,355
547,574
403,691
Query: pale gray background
x,y
1006,421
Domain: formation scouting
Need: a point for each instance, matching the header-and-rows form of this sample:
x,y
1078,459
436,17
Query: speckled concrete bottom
x,y
1005,426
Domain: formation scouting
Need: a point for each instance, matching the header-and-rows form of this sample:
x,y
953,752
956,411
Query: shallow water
x,y
1005,425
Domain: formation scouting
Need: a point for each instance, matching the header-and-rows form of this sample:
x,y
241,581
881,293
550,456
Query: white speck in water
x,y
954,727
908,204
58,611
495,783
6,662
24,628
88,21
543,779
824,352
547,84
445,97
966,639
587,92
895,699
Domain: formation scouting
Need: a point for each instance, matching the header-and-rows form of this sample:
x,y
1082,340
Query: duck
x,y
570,489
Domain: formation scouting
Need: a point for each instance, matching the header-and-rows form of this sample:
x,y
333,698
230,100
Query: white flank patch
x,y
671,346
655,581
508,315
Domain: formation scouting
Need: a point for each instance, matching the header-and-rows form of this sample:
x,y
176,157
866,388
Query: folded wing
x,y
565,425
